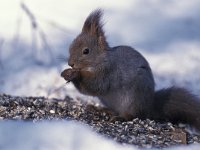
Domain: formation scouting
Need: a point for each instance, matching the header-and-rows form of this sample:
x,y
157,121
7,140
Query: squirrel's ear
x,y
94,26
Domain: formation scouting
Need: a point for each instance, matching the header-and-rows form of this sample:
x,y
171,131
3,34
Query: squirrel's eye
x,y
86,51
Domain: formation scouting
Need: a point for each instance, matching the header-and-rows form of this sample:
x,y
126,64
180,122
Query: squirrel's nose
x,y
70,63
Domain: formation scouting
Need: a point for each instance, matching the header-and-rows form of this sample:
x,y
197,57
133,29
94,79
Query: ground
x,y
141,133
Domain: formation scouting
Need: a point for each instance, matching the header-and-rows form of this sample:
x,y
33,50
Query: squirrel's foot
x,y
117,118
122,118
70,74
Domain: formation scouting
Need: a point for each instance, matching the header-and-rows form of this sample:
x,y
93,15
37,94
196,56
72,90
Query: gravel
x,y
142,133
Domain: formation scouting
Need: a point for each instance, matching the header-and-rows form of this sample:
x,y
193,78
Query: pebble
x,y
52,111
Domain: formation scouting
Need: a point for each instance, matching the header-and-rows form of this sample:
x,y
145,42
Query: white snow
x,y
53,136
31,59
60,136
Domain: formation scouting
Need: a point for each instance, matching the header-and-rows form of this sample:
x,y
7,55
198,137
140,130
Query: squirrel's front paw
x,y
70,74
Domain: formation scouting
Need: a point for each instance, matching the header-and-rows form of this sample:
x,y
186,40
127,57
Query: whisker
x,y
61,58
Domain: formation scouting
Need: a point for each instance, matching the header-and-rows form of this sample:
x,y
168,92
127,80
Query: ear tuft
x,y
93,24
94,27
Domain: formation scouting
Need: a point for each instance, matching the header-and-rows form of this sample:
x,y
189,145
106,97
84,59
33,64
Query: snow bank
x,y
59,136
51,136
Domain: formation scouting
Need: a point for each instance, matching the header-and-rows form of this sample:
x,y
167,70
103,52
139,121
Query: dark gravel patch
x,y
142,133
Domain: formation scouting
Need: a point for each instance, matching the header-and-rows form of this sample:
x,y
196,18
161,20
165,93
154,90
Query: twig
x,y
34,42
55,25
29,14
36,28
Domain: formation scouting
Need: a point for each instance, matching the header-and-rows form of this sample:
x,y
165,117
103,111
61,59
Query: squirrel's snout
x,y
70,63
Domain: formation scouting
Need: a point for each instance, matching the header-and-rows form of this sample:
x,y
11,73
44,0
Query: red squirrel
x,y
122,79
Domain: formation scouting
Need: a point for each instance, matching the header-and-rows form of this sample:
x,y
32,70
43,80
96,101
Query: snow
x,y
68,135
51,136
31,59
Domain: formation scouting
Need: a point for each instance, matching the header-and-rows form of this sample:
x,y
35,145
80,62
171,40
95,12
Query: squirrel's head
x,y
87,51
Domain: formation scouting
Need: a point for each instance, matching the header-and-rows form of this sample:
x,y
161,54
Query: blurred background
x,y
35,36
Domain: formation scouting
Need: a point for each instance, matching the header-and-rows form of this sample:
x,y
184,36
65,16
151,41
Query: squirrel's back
x,y
129,65
127,57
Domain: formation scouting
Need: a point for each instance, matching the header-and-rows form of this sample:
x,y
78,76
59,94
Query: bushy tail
x,y
177,105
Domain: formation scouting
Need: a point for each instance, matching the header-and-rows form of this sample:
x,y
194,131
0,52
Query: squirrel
x,y
122,79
